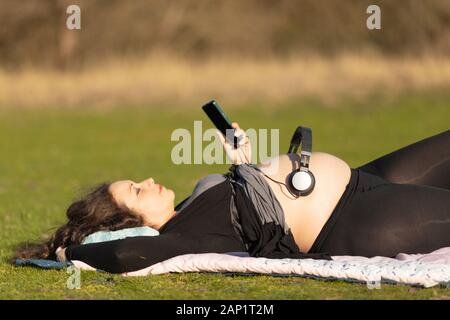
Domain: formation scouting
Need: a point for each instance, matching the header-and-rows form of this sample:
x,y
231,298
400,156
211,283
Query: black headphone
x,y
302,181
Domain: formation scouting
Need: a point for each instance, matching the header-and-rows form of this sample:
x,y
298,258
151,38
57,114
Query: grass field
x,y
50,156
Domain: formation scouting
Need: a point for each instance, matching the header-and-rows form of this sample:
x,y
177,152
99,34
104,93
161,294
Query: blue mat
x,y
43,263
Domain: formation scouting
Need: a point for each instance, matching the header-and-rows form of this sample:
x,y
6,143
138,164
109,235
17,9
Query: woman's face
x,y
153,202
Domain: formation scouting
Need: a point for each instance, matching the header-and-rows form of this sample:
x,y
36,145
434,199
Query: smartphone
x,y
221,121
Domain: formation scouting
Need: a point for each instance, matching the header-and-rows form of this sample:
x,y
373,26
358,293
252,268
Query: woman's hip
x,y
376,217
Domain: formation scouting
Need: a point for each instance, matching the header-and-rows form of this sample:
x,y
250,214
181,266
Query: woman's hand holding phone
x,y
243,152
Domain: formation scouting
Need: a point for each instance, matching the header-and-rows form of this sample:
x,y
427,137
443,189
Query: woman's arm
x,y
131,254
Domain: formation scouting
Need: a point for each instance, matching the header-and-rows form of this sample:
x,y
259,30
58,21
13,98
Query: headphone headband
x,y
302,136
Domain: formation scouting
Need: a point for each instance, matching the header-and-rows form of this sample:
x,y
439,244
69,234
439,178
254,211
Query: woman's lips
x,y
160,188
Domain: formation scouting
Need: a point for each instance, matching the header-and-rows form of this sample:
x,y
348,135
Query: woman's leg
x,y
379,218
426,162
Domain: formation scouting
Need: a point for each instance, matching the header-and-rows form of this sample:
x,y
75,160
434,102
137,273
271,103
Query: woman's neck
x,y
163,223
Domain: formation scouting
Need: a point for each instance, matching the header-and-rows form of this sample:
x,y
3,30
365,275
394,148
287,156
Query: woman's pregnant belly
x,y
306,216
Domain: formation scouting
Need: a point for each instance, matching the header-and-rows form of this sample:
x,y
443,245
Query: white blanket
x,y
418,269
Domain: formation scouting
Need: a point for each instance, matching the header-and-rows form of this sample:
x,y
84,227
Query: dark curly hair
x,y
94,212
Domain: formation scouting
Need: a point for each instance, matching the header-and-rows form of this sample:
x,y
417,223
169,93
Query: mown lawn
x,y
48,157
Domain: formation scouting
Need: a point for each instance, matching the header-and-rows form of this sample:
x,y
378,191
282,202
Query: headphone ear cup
x,y
302,182
311,187
292,188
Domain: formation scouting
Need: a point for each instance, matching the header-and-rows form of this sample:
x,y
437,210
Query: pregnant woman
x,y
399,202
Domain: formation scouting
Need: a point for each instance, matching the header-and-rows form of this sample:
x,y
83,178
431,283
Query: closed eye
x,y
137,191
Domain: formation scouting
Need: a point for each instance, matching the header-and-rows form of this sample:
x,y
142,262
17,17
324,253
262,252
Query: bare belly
x,y
306,216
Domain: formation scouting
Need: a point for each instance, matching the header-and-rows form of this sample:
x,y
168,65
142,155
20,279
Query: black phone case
x,y
220,120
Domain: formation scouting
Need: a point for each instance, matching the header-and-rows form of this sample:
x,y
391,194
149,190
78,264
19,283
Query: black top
x,y
203,226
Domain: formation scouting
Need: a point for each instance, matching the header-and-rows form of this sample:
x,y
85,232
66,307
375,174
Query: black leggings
x,y
397,203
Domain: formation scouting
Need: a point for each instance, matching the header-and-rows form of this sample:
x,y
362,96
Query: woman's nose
x,y
149,182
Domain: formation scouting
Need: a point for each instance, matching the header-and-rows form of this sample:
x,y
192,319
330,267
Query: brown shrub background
x,y
33,31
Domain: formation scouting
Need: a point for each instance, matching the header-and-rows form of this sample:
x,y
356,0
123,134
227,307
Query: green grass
x,y
49,157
